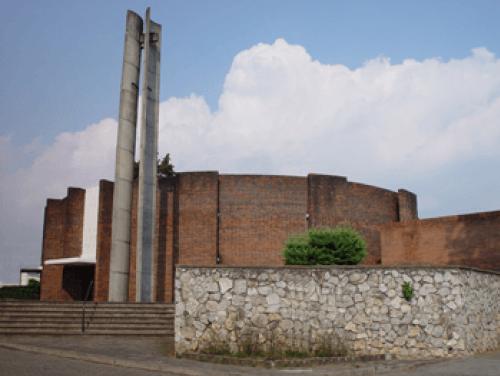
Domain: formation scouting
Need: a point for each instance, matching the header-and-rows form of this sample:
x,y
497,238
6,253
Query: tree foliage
x,y
164,167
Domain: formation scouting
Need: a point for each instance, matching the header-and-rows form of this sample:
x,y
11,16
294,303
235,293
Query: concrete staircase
x,y
35,318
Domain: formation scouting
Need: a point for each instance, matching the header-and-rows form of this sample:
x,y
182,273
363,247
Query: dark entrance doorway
x,y
78,281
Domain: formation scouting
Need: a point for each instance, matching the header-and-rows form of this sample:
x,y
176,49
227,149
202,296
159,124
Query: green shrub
x,y
339,246
407,289
30,292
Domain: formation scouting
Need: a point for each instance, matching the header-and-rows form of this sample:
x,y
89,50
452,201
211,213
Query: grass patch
x,y
248,346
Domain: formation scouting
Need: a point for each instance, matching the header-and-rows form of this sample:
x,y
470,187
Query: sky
x,y
388,93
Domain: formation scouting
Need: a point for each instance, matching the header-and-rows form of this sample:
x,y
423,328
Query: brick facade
x,y
104,220
332,201
204,218
256,216
197,194
51,280
463,240
62,237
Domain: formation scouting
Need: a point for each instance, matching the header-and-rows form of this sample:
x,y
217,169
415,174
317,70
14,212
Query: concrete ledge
x,y
343,267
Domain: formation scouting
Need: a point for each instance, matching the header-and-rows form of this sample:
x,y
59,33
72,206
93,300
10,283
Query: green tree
x,y
165,167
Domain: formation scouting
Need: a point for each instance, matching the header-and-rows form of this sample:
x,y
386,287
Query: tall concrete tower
x,y
146,210
150,42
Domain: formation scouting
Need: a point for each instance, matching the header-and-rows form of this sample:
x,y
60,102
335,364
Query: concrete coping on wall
x,y
343,267
447,218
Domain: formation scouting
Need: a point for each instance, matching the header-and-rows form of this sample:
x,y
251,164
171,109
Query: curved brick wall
x,y
256,216
332,200
257,213
205,218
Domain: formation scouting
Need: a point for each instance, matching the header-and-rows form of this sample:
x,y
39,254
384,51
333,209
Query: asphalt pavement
x,y
93,355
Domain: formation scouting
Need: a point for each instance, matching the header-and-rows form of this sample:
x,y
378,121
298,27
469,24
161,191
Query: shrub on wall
x,y
341,245
30,292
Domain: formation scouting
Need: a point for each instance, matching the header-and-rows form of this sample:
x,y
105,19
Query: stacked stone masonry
x,y
454,311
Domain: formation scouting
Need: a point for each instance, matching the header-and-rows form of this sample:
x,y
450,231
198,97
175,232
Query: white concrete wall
x,y
26,276
89,243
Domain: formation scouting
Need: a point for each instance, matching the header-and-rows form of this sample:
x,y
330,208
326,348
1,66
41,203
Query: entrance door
x,y
78,281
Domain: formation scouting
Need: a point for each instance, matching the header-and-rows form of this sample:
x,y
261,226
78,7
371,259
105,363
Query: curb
x,y
285,362
359,369
101,359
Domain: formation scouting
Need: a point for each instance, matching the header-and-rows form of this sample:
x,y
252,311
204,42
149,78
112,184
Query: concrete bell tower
x,y
139,36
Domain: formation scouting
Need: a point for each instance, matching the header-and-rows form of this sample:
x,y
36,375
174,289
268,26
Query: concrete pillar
x,y
146,206
125,148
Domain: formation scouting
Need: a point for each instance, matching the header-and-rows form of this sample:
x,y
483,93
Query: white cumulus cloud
x,y
418,124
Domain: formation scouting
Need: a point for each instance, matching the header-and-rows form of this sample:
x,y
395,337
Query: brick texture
x,y
203,217
257,215
62,237
197,222
332,201
164,257
407,204
466,240
51,284
103,251
73,226
53,229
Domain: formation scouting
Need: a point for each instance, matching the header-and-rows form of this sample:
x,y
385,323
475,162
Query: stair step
x,y
28,303
53,331
65,318
24,324
145,315
130,319
45,331
76,311
91,304
169,333
110,326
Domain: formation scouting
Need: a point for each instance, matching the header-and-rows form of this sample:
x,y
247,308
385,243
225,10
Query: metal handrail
x,y
87,295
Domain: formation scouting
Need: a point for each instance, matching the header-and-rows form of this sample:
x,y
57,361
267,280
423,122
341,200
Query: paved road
x,y
480,365
19,363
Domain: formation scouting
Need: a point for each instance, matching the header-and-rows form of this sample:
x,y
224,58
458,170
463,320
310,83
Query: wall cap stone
x,y
342,267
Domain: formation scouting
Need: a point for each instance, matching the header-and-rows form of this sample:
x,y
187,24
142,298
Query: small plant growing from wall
x,y
407,291
341,245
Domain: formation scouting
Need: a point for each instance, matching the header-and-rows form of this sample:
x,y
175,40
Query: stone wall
x,y
454,311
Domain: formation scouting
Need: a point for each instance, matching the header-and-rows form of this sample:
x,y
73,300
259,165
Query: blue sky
x,y
61,60
397,94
